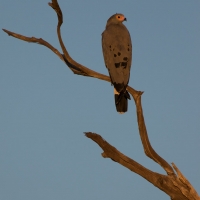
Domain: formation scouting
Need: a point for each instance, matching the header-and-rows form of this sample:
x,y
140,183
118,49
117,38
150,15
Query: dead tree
x,y
173,182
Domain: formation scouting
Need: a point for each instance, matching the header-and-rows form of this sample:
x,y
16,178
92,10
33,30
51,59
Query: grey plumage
x,y
117,52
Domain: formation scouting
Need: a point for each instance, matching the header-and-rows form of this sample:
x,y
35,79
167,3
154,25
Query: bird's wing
x,y
117,51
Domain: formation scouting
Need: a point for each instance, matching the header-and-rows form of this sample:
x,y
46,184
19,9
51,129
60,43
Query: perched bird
x,y
117,52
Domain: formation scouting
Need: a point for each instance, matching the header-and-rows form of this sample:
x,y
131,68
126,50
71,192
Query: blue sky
x,y
44,108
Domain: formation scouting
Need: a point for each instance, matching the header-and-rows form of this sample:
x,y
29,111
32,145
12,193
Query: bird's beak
x,y
125,19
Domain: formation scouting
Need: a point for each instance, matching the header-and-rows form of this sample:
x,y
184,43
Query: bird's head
x,y
116,19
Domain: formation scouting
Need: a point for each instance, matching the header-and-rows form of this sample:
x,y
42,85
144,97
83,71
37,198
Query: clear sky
x,y
45,108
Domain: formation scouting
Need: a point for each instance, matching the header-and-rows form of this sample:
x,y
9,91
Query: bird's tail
x,y
121,101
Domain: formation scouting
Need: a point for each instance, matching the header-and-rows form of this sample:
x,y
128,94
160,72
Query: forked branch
x,y
176,186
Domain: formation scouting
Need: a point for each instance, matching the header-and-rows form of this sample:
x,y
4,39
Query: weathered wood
x,y
173,184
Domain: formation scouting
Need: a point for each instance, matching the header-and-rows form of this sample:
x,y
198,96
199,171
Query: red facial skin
x,y
120,18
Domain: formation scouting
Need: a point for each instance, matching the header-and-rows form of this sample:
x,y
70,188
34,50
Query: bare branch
x,y
149,151
176,186
115,155
35,40
69,61
187,189
73,65
169,184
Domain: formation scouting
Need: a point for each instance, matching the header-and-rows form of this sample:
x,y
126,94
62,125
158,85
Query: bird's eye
x,y
118,17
